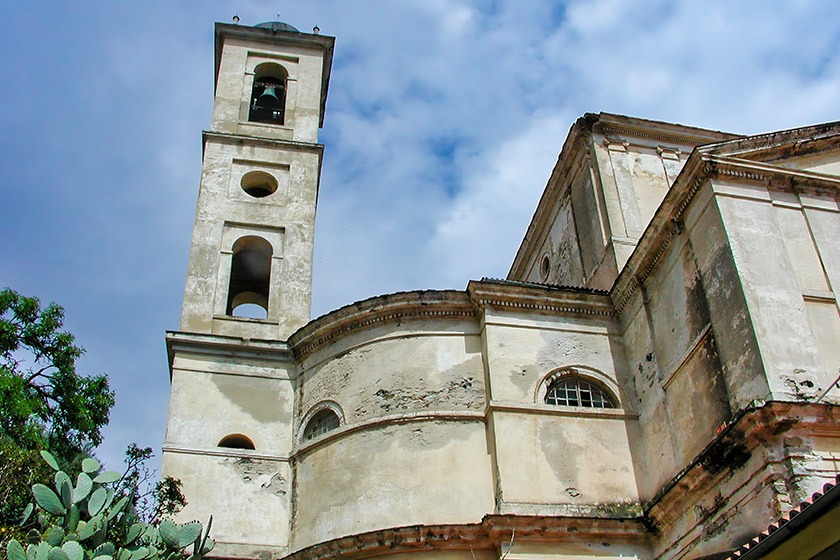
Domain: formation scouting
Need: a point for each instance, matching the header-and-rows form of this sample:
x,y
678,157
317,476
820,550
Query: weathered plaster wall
x,y
706,340
391,475
523,348
615,548
412,447
212,399
634,174
393,369
825,161
581,457
289,154
582,461
244,390
770,461
561,248
682,376
790,298
615,172
247,496
286,219
590,226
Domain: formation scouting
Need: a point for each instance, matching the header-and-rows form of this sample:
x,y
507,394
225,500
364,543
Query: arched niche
x,y
236,441
250,277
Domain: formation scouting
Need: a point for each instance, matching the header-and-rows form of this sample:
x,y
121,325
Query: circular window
x,y
545,268
258,184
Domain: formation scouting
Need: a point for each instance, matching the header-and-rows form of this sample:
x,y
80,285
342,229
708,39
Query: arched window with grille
x,y
322,422
575,390
268,96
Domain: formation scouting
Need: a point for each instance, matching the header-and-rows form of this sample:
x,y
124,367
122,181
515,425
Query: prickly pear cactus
x,y
86,520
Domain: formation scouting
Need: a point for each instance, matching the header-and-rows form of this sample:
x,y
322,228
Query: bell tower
x,y
250,267
229,434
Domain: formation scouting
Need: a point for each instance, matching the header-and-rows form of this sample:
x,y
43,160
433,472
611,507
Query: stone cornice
x,y
225,452
569,411
492,532
390,308
795,142
398,539
536,527
748,429
700,168
227,346
269,142
619,125
538,298
449,305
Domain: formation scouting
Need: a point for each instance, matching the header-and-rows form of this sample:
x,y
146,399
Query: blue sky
x,y
443,121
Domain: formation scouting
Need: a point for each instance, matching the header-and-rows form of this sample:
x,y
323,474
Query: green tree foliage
x,y
19,469
151,501
91,520
43,401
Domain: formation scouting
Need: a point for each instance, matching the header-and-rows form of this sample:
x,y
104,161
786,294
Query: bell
x,y
269,97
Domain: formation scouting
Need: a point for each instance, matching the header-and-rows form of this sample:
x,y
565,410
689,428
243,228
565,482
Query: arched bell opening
x,y
268,96
250,278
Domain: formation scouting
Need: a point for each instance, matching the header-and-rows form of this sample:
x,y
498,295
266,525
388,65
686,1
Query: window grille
x,y
574,391
321,423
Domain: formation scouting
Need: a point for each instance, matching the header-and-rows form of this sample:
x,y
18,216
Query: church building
x,y
654,379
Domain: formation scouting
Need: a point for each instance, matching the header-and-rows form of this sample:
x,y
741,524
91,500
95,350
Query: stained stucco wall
x,y
390,475
608,197
285,219
689,342
210,400
248,497
417,366
412,447
581,457
569,549
561,248
215,395
788,282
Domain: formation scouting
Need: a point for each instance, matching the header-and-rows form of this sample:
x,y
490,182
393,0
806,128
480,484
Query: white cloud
x,y
479,235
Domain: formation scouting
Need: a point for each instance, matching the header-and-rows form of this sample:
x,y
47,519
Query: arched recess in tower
x,y
250,275
268,96
236,441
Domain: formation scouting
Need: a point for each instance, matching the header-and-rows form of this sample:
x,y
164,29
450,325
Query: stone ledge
x,y
492,532
391,419
556,410
225,452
